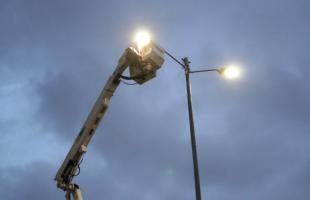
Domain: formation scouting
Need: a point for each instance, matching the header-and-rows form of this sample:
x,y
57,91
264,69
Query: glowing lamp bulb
x,y
231,72
142,38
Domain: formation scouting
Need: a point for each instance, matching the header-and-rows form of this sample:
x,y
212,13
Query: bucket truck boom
x,y
142,69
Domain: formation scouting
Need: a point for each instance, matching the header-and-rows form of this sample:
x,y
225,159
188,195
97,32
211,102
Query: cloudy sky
x,y
253,135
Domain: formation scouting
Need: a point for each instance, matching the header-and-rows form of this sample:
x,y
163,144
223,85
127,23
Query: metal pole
x,y
192,129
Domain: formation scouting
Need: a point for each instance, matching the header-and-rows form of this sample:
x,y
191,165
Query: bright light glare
x,y
231,72
142,38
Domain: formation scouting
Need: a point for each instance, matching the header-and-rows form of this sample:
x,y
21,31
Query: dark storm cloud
x,y
252,136
30,182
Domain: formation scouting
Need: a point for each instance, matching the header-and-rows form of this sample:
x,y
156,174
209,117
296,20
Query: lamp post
x,y
229,72
192,128
187,73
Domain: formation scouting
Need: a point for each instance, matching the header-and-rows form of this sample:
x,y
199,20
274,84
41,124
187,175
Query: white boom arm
x,y
142,67
71,163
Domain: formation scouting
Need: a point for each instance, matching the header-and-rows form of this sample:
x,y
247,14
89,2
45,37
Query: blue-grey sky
x,y
252,135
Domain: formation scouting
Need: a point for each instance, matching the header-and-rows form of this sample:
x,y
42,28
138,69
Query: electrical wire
x,y
78,167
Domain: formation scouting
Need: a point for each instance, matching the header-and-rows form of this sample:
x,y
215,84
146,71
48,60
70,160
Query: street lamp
x,y
228,72
231,72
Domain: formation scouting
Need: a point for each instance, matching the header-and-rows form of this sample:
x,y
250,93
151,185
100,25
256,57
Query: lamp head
x,y
151,57
231,72
142,38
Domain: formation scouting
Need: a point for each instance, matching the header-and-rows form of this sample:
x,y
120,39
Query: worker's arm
x,y
70,165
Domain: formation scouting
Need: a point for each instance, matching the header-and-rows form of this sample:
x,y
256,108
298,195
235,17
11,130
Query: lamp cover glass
x,y
142,38
231,72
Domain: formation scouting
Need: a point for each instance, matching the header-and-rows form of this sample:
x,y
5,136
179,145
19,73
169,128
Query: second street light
x,y
231,72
